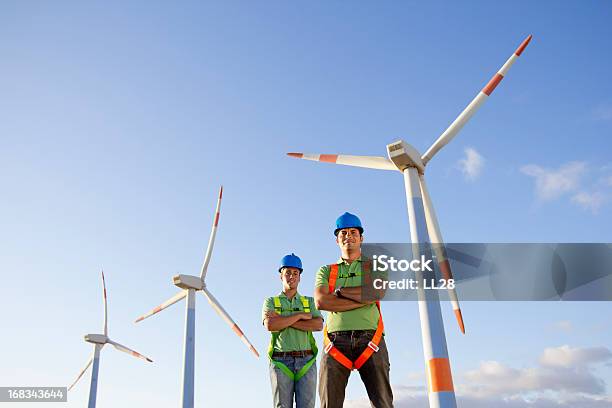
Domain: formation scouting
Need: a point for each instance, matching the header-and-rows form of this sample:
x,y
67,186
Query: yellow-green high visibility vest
x,y
313,343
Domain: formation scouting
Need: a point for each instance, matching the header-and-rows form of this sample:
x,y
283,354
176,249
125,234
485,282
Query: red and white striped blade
x,y
105,305
467,113
128,350
221,312
81,373
437,244
164,305
213,234
447,274
369,162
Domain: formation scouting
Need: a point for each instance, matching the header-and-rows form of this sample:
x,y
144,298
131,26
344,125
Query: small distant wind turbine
x,y
423,227
190,285
99,340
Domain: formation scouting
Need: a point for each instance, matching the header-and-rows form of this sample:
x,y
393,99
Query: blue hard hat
x,y
348,220
291,260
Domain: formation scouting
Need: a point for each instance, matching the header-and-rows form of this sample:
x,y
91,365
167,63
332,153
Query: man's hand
x,y
270,314
330,302
311,324
355,294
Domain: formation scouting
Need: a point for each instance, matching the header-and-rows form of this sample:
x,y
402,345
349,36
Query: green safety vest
x,y
313,344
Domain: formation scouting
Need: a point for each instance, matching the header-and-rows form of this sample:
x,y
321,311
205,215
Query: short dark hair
x,y
337,231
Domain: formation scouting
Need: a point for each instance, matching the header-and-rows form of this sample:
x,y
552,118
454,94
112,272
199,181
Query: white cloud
x,y
471,165
551,184
496,379
560,369
563,378
404,398
566,356
589,201
577,401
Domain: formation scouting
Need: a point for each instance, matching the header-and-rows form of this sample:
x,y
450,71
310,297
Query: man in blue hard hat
x,y
291,318
353,335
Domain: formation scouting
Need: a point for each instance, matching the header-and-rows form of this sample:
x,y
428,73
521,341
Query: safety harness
x,y
372,345
313,344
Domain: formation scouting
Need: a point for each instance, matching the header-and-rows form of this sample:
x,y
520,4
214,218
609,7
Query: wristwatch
x,y
337,292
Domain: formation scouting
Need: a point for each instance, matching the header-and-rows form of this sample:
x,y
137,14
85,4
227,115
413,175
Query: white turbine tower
x,y
99,340
424,229
189,286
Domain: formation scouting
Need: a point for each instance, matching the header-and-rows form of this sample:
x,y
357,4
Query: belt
x,y
299,353
350,333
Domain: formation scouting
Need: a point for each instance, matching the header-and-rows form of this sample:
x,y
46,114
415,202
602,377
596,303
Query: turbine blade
x,y
467,113
125,349
437,244
213,234
105,305
221,312
81,373
369,162
164,305
452,293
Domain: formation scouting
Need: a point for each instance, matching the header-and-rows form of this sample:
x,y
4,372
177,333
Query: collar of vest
x,y
296,296
341,261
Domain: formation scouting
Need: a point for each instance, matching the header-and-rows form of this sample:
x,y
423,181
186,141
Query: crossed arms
x,y
301,321
350,298
330,302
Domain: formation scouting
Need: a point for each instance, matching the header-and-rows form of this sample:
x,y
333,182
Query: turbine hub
x,y
188,282
404,156
96,338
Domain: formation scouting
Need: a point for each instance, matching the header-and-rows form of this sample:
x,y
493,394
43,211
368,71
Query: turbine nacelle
x,y
188,282
96,338
404,156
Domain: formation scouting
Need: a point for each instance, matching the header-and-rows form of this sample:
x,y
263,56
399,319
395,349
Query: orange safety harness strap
x,y
372,345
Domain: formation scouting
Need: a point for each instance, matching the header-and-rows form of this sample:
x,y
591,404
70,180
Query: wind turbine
x,y
423,227
189,285
99,340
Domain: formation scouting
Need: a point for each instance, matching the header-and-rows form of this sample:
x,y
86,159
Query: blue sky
x,y
118,123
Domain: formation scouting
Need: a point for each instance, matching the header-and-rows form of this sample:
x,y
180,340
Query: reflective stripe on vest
x,y
279,309
372,345
313,343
